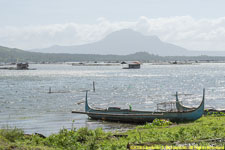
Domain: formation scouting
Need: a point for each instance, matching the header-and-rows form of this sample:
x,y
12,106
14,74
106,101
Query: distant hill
x,y
17,55
12,54
121,42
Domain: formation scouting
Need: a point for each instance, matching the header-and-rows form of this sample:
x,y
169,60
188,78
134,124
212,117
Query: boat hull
x,y
141,117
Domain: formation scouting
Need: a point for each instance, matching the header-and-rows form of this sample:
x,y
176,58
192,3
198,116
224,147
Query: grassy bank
x,y
208,130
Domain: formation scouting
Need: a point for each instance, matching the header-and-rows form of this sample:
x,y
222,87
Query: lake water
x,y
26,103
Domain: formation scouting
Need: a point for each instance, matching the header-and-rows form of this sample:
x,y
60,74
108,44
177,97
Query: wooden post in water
x,y
94,86
50,90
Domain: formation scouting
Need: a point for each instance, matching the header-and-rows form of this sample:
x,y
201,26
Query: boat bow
x,y
87,108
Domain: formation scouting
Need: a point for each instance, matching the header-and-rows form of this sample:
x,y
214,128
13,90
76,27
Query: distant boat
x,y
22,66
135,116
132,65
19,66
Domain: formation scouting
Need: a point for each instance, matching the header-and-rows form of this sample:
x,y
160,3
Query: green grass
x,y
160,132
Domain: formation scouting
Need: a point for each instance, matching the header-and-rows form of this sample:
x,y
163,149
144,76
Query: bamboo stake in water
x,y
94,86
50,90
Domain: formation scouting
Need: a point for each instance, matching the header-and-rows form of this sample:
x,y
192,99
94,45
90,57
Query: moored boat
x,y
135,116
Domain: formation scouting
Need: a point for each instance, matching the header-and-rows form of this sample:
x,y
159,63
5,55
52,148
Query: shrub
x,y
12,134
161,122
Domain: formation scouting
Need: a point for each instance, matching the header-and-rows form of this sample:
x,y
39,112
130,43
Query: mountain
x,y
122,42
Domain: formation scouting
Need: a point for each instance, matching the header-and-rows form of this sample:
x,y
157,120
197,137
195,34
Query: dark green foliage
x,y
216,114
159,132
65,139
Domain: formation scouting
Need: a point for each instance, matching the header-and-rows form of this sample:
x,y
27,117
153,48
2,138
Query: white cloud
x,y
185,31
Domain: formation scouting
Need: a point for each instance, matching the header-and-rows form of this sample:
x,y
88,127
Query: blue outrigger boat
x,y
135,116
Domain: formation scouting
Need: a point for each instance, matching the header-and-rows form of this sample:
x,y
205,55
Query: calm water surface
x,y
26,103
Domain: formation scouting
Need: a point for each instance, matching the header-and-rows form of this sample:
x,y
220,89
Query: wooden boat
x,y
135,116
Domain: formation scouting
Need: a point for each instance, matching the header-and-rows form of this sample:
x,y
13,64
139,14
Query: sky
x,y
31,24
